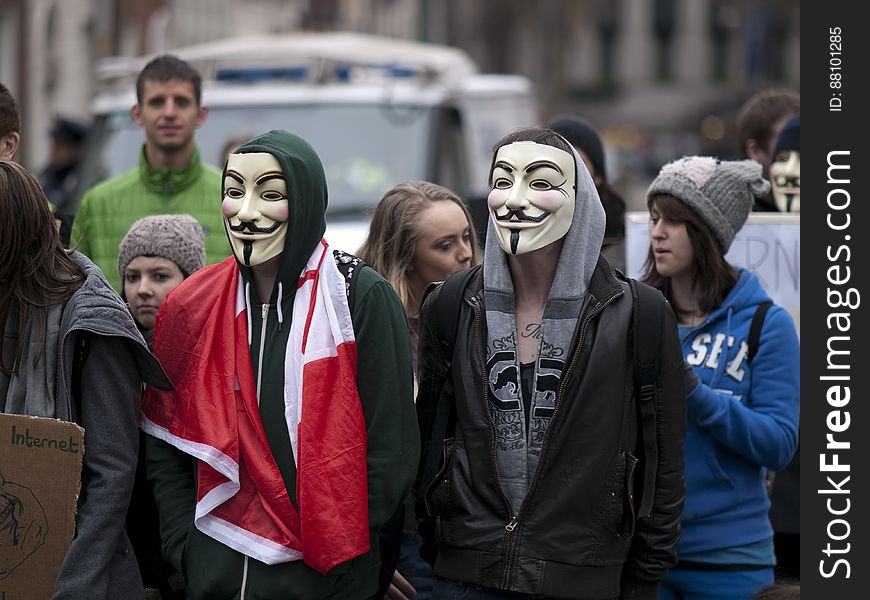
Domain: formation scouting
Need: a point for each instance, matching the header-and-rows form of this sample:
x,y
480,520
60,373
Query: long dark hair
x,y
713,276
35,270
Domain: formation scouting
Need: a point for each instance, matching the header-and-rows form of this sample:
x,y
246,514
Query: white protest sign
x,y
769,245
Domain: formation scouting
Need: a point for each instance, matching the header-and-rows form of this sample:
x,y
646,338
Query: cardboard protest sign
x,y
40,474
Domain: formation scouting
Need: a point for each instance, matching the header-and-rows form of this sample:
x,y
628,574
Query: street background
x,y
660,78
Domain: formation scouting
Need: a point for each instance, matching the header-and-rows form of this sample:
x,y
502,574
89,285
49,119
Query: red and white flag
x,y
201,338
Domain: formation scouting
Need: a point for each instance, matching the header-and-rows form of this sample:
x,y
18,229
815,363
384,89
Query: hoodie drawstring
x,y
280,313
248,312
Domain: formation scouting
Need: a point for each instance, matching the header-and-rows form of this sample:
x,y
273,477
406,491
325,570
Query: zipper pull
x,y
265,311
513,523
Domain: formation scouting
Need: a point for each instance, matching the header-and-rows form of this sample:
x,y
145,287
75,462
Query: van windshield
x,y
365,149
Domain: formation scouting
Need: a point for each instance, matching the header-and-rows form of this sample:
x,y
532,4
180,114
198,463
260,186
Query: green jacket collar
x,y
169,181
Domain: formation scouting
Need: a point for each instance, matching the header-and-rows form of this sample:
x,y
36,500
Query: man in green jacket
x,y
290,438
171,177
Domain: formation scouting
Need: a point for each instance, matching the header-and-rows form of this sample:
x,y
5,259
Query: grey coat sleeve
x,y
100,562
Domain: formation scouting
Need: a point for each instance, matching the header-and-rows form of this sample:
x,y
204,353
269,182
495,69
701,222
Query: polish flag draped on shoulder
x,y
213,415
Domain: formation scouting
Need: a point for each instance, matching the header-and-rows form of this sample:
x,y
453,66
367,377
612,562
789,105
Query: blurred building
x,y
660,77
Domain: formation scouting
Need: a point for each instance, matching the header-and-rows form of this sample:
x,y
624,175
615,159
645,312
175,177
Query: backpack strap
x,y
444,316
348,265
446,310
647,316
755,328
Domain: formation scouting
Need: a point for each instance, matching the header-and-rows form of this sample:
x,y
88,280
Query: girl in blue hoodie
x,y
742,402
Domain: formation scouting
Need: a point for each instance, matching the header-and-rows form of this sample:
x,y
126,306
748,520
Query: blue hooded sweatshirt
x,y
742,420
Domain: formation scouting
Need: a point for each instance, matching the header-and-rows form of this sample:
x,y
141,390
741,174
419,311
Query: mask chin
x,y
787,201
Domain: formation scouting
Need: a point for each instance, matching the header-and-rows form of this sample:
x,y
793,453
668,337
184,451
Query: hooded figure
x,y
536,493
785,168
280,385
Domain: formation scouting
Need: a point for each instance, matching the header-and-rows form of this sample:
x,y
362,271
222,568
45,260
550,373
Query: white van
x,y
378,111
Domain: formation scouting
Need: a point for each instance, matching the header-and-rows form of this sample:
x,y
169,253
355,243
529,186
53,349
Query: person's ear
x,y
136,114
9,145
754,151
203,114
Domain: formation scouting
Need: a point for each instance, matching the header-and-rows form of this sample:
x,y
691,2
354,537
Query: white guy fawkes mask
x,y
785,178
255,206
533,194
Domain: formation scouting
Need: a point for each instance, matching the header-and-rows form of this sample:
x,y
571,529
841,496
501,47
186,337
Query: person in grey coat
x,y
71,351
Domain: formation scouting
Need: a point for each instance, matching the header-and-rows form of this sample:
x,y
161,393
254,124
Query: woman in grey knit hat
x,y
156,254
743,389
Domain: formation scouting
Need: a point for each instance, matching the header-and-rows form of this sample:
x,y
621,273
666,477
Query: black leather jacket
x,y
576,535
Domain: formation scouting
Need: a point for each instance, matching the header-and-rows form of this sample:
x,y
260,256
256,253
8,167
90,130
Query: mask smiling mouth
x,y
788,182
518,216
246,228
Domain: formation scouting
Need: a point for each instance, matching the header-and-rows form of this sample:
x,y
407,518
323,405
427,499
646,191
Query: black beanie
x,y
789,137
582,135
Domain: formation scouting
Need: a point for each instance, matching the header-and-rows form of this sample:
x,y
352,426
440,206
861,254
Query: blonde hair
x,y
395,229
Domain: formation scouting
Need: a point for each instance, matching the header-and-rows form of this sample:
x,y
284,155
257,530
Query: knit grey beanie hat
x,y
721,192
178,238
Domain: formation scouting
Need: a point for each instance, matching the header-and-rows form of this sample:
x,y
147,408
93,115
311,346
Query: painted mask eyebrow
x,y
543,164
235,176
269,177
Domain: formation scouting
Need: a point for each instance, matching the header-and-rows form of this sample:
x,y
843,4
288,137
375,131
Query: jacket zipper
x,y
167,191
515,519
265,314
262,346
511,525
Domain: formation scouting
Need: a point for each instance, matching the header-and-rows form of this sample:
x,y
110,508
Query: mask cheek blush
x,y
551,200
229,207
497,198
282,212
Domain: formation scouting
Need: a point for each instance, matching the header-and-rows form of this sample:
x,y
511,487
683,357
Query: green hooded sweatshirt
x,y
384,383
